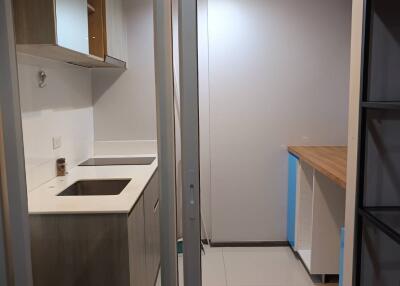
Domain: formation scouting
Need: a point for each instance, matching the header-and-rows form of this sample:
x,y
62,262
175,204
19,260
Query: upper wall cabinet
x,y
73,31
116,30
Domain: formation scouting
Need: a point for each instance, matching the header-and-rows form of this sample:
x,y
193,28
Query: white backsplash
x,y
125,148
63,108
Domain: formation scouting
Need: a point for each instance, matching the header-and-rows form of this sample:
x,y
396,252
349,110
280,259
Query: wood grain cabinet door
x,y
87,249
151,217
116,27
137,245
157,238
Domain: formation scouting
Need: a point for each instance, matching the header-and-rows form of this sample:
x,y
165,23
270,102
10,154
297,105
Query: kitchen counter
x,y
331,161
44,199
316,205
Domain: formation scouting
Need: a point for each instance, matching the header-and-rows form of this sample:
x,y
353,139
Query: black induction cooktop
x,y
118,161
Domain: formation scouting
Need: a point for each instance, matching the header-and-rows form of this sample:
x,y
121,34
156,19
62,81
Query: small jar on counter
x,y
61,167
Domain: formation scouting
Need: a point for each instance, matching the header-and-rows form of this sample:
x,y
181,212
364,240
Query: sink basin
x,y
96,188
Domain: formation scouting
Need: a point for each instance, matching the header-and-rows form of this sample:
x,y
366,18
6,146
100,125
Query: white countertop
x,y
44,199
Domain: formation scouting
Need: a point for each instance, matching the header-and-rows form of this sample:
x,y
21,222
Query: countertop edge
x,y
340,181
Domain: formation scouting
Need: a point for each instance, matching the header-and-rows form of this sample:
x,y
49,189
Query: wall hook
x,y
42,79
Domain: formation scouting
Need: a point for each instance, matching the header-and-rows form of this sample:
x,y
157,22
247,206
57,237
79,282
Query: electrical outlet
x,y
57,142
305,139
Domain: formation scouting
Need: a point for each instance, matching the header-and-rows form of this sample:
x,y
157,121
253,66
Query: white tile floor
x,y
251,266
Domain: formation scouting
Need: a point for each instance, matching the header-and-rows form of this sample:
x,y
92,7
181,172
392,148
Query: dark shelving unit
x,y
385,219
377,241
381,105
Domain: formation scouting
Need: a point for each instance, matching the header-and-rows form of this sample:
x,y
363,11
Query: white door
x,y
188,67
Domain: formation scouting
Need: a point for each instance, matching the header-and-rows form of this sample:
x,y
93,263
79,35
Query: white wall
x,y
124,102
278,76
177,110
62,108
204,110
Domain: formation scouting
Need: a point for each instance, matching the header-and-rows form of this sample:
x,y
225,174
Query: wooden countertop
x,y
331,161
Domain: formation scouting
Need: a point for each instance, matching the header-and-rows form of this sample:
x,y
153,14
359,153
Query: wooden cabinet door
x,y
151,214
137,245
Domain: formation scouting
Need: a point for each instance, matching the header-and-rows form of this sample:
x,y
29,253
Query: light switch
x,y
57,142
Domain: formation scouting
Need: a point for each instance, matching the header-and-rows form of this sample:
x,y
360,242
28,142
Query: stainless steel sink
x,y
96,188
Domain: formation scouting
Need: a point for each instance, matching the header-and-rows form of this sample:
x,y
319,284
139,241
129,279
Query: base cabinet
x,y
98,249
319,217
74,250
152,229
136,245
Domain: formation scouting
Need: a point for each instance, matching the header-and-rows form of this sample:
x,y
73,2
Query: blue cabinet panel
x,y
341,257
292,184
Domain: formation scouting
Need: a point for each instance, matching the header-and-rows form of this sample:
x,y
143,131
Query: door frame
x,y
189,91
15,253
353,138
164,75
190,141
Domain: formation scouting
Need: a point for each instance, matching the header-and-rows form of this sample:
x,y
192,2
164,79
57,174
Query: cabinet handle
x,y
156,205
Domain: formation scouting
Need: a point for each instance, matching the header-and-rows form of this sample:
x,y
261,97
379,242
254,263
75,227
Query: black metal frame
x,y
363,215
361,159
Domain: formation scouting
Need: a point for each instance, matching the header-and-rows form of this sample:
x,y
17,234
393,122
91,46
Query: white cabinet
x,y
319,217
116,30
152,228
72,25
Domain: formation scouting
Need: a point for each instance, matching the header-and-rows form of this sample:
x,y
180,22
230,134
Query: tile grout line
x,y
225,272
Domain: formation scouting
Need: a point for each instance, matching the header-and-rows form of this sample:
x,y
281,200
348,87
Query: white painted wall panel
x,y
204,111
279,74
123,148
124,101
62,108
